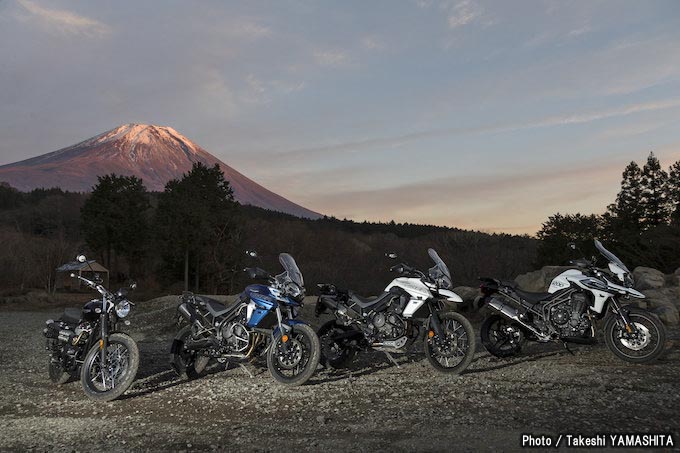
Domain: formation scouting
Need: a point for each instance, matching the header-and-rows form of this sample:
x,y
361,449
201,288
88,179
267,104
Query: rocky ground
x,y
375,405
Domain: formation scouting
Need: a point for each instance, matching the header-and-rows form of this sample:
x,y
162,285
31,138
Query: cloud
x,y
63,21
372,42
463,13
331,57
553,121
248,29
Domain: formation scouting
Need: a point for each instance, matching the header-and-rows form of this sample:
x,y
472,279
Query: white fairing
x,y
417,290
250,310
450,295
562,281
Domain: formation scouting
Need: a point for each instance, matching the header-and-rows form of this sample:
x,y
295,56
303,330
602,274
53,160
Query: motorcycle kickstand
x,y
566,346
246,370
389,356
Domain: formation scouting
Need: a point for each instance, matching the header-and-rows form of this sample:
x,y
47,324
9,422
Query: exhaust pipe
x,y
512,313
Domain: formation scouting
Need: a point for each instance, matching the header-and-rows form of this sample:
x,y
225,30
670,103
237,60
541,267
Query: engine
x,y
234,337
569,318
387,325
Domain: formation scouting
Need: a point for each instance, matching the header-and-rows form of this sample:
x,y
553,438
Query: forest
x,y
193,236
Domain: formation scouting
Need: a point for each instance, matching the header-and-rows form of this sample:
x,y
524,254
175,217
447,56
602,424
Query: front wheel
x,y
644,345
454,352
501,337
293,357
112,380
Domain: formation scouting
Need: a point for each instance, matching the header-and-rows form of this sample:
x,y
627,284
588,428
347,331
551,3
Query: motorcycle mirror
x,y
391,255
81,258
133,285
251,253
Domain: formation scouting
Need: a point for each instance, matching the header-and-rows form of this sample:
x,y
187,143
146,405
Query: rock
x,y
648,278
467,293
668,314
539,281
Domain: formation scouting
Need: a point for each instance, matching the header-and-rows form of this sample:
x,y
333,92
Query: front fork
x,y
283,328
435,321
623,315
103,342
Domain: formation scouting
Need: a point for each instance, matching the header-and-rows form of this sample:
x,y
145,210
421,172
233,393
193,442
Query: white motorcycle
x,y
411,307
568,312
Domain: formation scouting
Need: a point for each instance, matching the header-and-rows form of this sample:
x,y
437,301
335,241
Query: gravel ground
x,y
375,405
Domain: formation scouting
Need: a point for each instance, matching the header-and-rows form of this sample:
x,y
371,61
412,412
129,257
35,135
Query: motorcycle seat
x,y
365,302
533,297
216,308
71,315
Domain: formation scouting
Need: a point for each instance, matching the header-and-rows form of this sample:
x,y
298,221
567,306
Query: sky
x,y
486,115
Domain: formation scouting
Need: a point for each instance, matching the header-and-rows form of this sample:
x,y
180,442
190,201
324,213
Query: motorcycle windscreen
x,y
610,256
440,272
291,269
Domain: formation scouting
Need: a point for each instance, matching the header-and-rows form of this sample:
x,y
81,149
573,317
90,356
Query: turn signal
x,y
284,338
101,344
430,333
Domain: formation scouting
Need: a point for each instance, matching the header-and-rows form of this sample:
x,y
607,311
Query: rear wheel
x,y
187,364
293,361
57,373
454,352
502,338
643,345
335,353
108,382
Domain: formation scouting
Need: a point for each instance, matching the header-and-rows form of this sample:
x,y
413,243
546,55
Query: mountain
x,y
155,154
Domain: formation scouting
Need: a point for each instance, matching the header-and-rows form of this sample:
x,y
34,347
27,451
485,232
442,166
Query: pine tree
x,y
654,201
673,190
627,212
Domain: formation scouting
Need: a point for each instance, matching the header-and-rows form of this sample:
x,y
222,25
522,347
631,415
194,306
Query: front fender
x,y
450,296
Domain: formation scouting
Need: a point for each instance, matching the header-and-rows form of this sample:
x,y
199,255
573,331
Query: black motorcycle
x,y
87,341
262,321
411,308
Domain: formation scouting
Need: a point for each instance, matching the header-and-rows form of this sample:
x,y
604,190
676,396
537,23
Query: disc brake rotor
x,y
292,356
640,341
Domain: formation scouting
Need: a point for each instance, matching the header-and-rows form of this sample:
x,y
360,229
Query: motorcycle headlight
x,y
123,308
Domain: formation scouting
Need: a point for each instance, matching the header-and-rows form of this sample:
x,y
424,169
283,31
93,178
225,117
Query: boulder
x,y
648,278
668,315
675,278
539,281
467,293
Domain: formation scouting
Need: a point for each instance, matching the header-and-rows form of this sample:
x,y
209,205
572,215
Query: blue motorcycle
x,y
262,321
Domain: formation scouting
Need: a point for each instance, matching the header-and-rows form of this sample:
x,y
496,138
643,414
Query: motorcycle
x,y
568,312
87,342
261,321
410,308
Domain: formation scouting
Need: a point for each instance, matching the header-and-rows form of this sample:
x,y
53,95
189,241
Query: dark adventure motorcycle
x,y
261,321
87,341
411,307
568,312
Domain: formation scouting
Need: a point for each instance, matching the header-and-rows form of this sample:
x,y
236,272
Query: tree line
x,y
193,236
642,225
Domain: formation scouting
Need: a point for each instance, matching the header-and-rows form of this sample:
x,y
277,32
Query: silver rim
x,y
451,351
117,365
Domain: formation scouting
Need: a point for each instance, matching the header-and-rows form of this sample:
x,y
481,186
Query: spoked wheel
x,y
644,344
453,353
57,373
116,376
293,357
335,353
187,364
501,337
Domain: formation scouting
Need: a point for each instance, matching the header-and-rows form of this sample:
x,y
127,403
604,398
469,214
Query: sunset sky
x,y
474,114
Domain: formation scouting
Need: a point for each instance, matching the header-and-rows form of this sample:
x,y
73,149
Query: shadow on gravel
x,y
510,362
